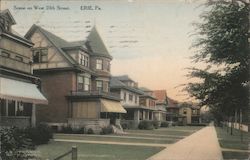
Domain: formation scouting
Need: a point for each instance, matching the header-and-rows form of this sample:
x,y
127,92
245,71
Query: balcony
x,y
93,94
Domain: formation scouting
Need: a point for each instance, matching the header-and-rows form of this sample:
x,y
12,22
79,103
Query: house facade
x,y
183,113
134,100
19,93
161,105
191,114
75,77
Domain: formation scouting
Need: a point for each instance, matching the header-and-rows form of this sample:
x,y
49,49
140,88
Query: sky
x,y
148,39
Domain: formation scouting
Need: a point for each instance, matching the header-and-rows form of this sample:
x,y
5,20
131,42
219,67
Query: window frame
x,y
99,65
41,53
98,88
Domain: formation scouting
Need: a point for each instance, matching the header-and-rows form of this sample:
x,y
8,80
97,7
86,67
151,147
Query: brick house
x,y
75,77
19,93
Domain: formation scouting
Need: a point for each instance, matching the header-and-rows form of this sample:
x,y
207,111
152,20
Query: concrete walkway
x,y
202,145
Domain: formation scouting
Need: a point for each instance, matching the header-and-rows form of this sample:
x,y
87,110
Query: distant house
x,y
148,101
191,113
75,77
183,113
19,93
173,110
138,104
161,105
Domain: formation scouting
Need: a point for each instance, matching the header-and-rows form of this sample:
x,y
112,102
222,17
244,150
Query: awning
x,y
20,91
112,106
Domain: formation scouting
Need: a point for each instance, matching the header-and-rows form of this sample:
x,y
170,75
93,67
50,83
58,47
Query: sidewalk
x,y
202,145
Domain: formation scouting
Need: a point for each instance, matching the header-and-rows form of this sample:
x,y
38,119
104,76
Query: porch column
x,y
33,116
15,108
6,108
137,115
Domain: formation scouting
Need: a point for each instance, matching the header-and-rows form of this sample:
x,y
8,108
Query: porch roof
x,y
112,106
21,91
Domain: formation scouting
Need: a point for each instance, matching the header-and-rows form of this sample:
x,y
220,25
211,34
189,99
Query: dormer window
x,y
99,63
40,55
84,60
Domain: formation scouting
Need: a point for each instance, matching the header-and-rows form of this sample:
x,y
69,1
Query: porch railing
x,y
73,153
19,121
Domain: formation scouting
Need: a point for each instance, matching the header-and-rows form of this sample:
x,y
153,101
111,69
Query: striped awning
x,y
21,91
112,106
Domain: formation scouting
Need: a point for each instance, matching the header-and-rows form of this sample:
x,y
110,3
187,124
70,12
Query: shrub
x,y
13,141
107,130
40,134
67,129
125,126
174,124
90,131
146,125
156,124
79,130
164,124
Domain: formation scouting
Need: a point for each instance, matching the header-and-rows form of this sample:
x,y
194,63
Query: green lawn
x,y
178,131
116,152
233,142
98,151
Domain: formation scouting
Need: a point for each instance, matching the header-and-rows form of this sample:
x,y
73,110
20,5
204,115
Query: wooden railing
x,y
73,153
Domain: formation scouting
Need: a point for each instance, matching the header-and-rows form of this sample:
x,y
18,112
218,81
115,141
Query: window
x,y
108,66
98,64
18,58
40,55
80,83
84,60
130,97
124,96
135,99
5,54
99,85
86,84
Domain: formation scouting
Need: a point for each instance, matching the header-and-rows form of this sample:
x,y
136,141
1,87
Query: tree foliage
x,y
222,40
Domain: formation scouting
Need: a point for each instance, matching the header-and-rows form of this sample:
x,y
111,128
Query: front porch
x,y
94,111
135,115
17,113
18,101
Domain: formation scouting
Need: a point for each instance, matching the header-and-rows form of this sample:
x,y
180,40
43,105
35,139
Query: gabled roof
x,y
115,83
172,103
160,95
58,42
96,45
7,12
124,78
144,89
11,33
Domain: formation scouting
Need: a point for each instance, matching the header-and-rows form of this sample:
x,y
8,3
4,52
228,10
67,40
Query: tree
x,y
222,41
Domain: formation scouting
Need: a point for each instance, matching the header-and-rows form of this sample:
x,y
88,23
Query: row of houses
x,y
46,79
